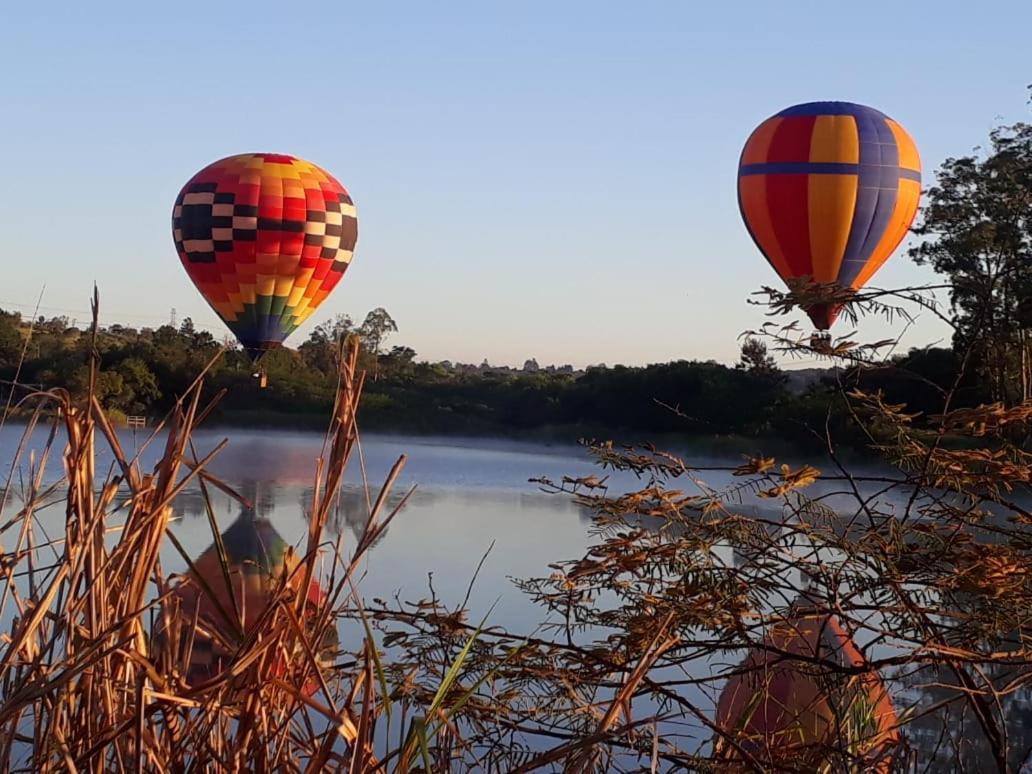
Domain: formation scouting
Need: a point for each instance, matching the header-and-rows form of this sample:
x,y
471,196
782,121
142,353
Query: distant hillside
x,y
799,380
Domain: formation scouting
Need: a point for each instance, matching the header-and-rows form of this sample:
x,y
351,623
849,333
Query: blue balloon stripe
x,y
258,331
870,186
849,271
831,109
821,168
798,168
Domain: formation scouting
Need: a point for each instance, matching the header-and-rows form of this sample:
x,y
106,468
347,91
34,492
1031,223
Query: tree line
x,y
143,371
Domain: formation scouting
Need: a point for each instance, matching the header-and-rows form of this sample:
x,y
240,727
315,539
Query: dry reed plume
x,y
86,686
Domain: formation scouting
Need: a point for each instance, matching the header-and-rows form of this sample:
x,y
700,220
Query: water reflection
x,y
354,503
945,733
470,495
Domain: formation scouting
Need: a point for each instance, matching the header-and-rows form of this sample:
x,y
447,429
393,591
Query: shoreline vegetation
x,y
708,405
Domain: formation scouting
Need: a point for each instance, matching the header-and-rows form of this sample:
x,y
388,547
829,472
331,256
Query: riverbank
x,y
731,446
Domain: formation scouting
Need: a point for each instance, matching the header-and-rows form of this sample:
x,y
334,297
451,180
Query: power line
x,y
114,317
81,312
87,313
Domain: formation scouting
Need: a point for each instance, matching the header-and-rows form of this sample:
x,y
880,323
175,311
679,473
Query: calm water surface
x,y
468,495
471,496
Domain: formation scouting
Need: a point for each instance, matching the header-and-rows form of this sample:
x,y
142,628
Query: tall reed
x,y
85,684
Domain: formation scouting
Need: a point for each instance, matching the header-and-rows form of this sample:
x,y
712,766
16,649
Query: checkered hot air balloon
x,y
259,565
265,237
828,190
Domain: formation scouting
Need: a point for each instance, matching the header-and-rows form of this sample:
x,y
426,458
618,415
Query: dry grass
x,y
85,686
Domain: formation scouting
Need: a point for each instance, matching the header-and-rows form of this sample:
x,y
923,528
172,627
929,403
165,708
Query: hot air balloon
x,y
794,711
265,237
828,190
259,565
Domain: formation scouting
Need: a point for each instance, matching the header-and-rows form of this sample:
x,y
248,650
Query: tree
x,y
320,350
755,359
332,331
399,360
401,354
186,328
11,341
165,336
203,340
139,385
919,380
376,326
977,230
108,386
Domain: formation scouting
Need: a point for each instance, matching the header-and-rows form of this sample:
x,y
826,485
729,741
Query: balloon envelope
x,y
774,706
828,190
259,561
265,237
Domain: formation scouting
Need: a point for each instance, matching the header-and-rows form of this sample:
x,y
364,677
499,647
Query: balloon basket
x,y
820,341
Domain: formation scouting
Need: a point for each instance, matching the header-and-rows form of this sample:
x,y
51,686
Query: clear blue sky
x,y
548,179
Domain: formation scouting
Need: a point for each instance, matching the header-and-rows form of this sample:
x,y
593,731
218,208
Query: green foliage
x,y
921,379
977,231
755,359
10,339
375,328
143,372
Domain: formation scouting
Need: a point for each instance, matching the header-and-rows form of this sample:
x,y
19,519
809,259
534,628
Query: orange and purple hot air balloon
x,y
828,190
785,703
265,237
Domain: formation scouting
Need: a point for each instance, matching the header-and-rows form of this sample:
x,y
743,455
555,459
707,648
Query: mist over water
x,y
471,497
469,494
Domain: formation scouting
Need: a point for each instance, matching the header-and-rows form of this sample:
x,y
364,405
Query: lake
x,y
472,496
469,493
